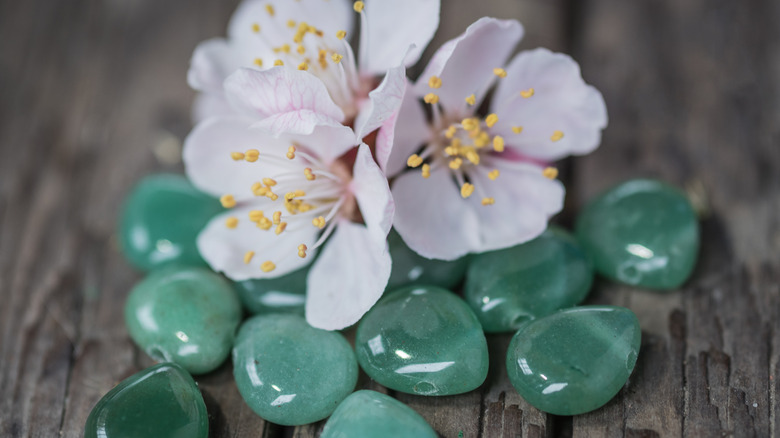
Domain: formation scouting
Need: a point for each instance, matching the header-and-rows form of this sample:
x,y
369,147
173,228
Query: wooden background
x,y
93,97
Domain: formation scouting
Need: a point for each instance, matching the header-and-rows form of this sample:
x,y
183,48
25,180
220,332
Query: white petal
x,y
410,132
373,195
224,248
383,102
392,27
208,105
562,101
293,101
431,216
465,64
212,62
347,279
327,142
208,162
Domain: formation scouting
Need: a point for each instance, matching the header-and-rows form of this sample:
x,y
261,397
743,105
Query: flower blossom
x,y
297,56
482,183
287,197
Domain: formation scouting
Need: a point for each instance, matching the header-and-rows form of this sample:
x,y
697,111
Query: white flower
x,y
308,40
287,196
482,184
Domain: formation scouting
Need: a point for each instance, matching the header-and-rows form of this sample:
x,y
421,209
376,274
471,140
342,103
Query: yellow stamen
x,y
300,49
470,124
299,193
434,82
270,9
498,143
358,6
308,174
258,62
451,151
273,196
414,160
268,266
255,27
264,223
277,217
527,93
431,98
500,72
256,186
290,23
341,34
303,66
248,257
550,172
471,100
557,135
488,201
289,196
426,170
280,228
278,62
238,156
231,222
255,215
493,174
261,191
228,201
473,157
336,57
291,152
517,129
302,250
270,182
451,131
466,190
456,163
318,222
252,155
482,139
491,120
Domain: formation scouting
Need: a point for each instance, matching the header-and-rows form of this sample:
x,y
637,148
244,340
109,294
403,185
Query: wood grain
x,y
90,90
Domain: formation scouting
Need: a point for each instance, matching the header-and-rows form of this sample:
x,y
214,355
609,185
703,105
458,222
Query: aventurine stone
x,y
575,360
184,315
373,414
643,233
423,340
162,402
290,373
508,288
285,294
161,219
411,268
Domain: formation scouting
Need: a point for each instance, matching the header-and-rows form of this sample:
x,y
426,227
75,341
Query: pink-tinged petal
x,y
224,248
327,142
373,195
383,102
524,201
293,101
208,105
391,27
431,216
561,101
465,64
212,62
347,279
410,132
208,162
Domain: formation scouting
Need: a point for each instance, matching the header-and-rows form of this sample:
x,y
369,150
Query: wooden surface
x,y
93,96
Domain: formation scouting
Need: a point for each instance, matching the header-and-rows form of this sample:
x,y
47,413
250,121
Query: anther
x,y
488,201
255,215
300,49
278,62
336,57
308,174
255,27
500,72
517,129
498,143
273,196
470,124
277,217
557,135
434,82
318,222
491,120
481,139
414,160
290,23
270,9
493,174
280,228
358,6
473,157
303,66
466,190
550,172
302,250
426,170
238,156
259,62
252,155
264,223
270,182
268,266
527,93
341,34
456,163
228,201
291,152
471,100
451,131
248,257
231,222
431,98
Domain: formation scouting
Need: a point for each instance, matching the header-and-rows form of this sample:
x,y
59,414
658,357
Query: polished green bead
x,y
290,373
423,340
285,294
161,219
509,287
643,233
575,360
373,414
162,402
184,315
410,268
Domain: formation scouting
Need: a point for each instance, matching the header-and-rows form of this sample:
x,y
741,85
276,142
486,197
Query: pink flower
x,y
481,183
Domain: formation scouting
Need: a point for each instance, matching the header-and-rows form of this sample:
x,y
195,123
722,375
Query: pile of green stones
x,y
420,338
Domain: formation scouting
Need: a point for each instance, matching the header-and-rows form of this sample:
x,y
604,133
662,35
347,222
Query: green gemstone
x,y
411,268
575,360
423,340
290,373
642,233
184,315
161,219
285,294
508,288
162,402
373,414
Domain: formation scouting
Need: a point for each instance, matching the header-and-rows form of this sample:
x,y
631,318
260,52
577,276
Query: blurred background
x,y
93,96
